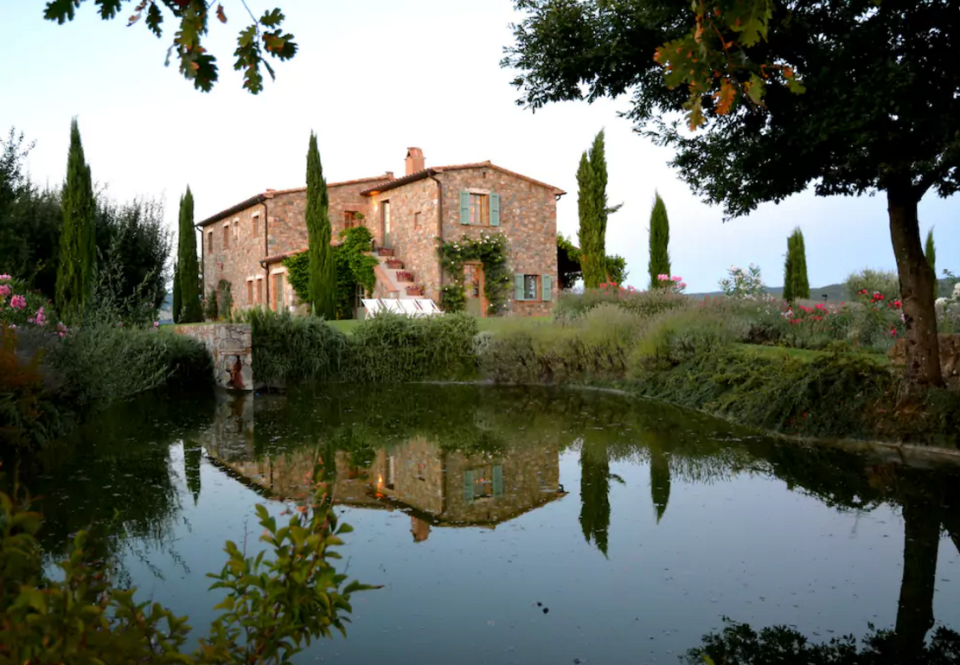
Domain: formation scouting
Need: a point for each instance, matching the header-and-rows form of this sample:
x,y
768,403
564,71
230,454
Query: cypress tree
x,y
188,275
77,261
930,252
323,267
801,287
598,173
788,271
176,293
659,243
593,210
587,223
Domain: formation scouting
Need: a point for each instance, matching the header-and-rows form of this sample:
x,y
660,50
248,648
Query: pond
x,y
512,525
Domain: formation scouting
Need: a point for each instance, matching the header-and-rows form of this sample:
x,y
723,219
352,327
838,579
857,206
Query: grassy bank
x,y
706,356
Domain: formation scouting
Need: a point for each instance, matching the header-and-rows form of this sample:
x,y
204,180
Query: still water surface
x,y
519,526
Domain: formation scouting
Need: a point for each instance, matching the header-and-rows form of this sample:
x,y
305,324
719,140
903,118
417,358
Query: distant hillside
x,y
834,292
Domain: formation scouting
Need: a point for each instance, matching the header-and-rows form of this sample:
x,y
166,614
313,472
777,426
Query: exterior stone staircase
x,y
394,282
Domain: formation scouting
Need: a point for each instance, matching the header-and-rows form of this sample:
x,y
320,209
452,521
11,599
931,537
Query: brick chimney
x,y
415,161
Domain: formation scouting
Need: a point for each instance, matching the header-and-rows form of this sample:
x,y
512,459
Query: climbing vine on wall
x,y
354,267
491,251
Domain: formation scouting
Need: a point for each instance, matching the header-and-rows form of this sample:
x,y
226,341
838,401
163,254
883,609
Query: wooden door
x,y
474,283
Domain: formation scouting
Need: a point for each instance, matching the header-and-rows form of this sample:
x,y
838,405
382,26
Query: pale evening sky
x,y
373,78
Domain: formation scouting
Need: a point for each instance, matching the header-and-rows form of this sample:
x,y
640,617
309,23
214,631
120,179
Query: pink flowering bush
x,y
21,307
673,283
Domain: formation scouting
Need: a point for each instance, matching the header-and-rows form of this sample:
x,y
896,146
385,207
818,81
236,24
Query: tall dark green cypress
x,y
593,211
659,243
598,172
587,232
177,300
801,284
188,274
323,267
789,270
796,285
78,249
930,252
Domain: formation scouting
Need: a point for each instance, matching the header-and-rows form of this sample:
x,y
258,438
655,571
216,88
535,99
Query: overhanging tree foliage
x,y
659,243
323,267
881,111
260,38
77,259
188,276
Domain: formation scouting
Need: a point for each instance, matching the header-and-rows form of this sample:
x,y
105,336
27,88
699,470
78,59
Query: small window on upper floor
x,y
416,221
255,224
236,229
209,241
479,209
226,236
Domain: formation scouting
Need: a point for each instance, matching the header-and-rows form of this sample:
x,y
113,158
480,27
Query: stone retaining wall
x,y
230,345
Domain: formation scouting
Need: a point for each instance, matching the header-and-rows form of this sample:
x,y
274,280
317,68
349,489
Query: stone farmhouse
x,y
246,243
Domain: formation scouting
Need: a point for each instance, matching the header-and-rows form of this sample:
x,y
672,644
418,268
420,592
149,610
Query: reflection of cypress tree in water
x,y
192,454
659,479
595,495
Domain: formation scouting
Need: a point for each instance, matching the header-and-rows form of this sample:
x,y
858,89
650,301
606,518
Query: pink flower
x,y
5,278
39,318
156,324
676,278
683,285
61,330
5,290
663,278
18,302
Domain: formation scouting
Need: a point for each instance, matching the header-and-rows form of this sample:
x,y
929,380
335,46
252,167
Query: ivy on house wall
x,y
354,268
491,251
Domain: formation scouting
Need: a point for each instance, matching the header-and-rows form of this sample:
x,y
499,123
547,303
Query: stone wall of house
x,y
413,231
236,257
230,345
418,475
528,217
232,250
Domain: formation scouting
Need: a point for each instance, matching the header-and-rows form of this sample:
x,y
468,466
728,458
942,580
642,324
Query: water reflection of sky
x,y
747,548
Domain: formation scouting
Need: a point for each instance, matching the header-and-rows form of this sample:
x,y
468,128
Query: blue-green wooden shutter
x,y
464,207
494,210
546,287
518,287
498,481
468,486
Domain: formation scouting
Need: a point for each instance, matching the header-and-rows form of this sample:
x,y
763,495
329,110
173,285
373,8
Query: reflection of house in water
x,y
435,486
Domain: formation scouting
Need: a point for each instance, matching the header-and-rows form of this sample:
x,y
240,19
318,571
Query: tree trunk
x,y
916,294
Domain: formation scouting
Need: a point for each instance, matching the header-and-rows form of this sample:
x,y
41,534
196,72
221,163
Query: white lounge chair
x,y
411,307
393,305
373,306
430,308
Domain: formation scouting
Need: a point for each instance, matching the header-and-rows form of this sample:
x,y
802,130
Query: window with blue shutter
x,y
498,481
494,210
468,486
518,287
546,287
464,207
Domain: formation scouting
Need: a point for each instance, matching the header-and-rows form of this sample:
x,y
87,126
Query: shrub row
x,y
386,349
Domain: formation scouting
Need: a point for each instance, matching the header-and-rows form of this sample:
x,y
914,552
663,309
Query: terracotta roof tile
x,y
425,173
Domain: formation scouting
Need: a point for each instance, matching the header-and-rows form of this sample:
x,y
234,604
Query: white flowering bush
x,y
744,284
948,311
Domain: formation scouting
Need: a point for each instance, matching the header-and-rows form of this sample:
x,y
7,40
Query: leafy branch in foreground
x,y
264,36
274,606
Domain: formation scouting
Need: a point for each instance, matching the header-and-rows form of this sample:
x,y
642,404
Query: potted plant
x,y
384,251
415,290
394,264
404,276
